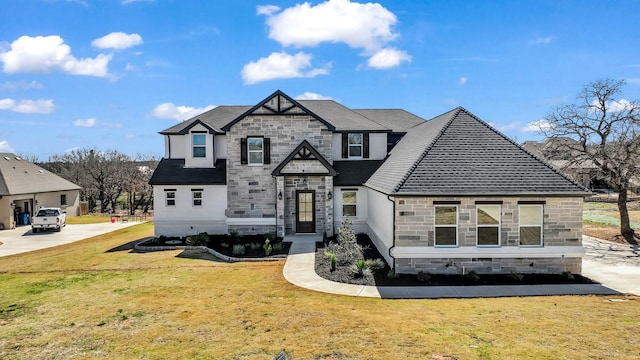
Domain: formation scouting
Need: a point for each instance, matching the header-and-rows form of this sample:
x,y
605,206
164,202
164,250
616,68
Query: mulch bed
x,y
342,274
224,245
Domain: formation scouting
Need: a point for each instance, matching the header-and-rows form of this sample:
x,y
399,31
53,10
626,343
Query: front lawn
x,y
97,299
602,220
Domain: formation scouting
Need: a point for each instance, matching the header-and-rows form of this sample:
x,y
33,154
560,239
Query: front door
x,y
305,213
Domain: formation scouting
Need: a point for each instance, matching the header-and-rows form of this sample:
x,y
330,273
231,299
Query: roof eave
x,y
491,194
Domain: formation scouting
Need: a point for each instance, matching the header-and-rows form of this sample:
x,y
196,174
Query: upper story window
x,y
530,220
255,149
349,203
488,225
199,143
170,197
355,145
446,225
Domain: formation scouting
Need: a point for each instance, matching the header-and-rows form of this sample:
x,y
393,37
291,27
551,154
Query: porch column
x,y
281,197
328,205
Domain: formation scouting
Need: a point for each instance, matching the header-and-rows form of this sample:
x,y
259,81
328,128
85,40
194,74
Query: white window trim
x,y
435,226
499,225
355,203
249,151
541,225
193,198
194,146
167,198
361,146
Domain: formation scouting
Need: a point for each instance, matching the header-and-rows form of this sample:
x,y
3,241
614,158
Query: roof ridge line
x,y
413,166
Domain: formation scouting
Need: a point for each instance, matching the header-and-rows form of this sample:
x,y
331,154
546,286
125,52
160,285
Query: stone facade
x,y
414,228
252,190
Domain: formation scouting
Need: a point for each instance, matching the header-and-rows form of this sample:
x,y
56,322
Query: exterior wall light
x,y
280,195
329,195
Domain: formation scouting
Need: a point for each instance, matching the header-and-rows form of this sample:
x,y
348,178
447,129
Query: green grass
x,y
96,299
88,219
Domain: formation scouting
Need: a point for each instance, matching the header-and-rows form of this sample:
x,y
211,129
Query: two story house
x,y
447,195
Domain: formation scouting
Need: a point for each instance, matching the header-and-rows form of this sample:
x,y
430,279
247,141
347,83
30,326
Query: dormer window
x,y
199,144
355,145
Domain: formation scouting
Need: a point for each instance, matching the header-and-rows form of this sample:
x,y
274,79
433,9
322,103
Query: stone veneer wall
x,y
251,190
562,226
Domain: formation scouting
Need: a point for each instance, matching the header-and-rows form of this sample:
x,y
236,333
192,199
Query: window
x,y
199,142
348,203
255,147
355,145
170,197
196,195
446,225
488,225
530,225
63,199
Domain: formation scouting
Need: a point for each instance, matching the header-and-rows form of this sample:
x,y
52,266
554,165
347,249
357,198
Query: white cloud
x,y
171,111
90,122
281,66
361,26
43,54
312,96
462,80
40,106
541,40
117,40
538,125
388,58
5,147
20,85
127,2
130,67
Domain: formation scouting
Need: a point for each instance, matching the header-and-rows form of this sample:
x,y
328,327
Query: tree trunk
x,y
625,225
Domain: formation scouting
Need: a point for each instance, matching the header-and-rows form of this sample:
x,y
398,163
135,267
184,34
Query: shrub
x,y
423,276
224,245
568,275
267,247
162,239
238,249
391,274
255,246
375,264
278,247
346,246
198,240
516,276
360,269
472,276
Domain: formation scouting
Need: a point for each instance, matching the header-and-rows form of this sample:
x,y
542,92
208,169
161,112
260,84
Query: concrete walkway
x,y
22,239
616,265
300,271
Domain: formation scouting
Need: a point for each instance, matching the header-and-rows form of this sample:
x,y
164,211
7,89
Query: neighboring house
x,y
25,187
448,195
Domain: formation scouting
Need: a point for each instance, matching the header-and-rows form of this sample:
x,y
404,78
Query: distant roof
x,y
458,154
18,176
336,116
173,172
397,120
354,173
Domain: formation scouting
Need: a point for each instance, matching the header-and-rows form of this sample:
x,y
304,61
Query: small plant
x,y
233,234
255,246
267,247
162,239
278,247
325,238
333,260
423,276
375,264
568,275
517,276
224,245
360,268
198,240
238,249
472,276
391,274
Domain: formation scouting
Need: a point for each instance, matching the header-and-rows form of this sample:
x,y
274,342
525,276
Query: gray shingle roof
x,y
459,154
354,173
397,120
343,118
18,176
215,118
173,172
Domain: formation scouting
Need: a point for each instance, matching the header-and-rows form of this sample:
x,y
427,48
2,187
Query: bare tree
x,y
606,130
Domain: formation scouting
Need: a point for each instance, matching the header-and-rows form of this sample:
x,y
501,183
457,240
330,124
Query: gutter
x,y
393,236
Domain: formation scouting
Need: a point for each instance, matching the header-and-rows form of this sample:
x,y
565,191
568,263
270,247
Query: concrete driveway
x,y
616,266
21,239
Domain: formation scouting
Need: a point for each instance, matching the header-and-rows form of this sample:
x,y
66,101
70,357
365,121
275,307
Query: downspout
x,y
393,236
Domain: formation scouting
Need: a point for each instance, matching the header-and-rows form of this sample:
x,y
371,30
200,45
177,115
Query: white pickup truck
x,y
49,218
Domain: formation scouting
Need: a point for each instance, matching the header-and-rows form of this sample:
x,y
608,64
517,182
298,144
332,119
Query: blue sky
x,y
111,74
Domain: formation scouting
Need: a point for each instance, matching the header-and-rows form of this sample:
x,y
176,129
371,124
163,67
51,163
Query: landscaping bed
x,y
233,245
384,276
